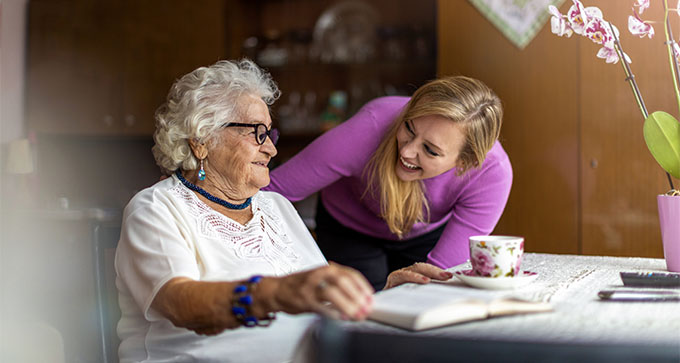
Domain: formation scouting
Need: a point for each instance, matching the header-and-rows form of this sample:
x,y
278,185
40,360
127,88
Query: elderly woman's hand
x,y
336,291
419,273
205,307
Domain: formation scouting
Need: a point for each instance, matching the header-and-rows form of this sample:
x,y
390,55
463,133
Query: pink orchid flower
x,y
611,56
642,4
558,23
638,27
579,16
599,32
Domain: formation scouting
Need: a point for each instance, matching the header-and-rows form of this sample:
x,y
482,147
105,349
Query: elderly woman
x,y
204,254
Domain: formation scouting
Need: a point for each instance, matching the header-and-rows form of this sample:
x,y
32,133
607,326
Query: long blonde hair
x,y
463,100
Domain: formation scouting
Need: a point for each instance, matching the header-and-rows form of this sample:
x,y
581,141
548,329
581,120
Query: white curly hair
x,y
202,102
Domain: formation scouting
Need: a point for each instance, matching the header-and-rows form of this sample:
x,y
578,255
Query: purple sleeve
x,y
476,213
340,152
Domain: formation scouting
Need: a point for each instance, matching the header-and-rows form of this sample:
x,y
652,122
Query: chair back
x,y
108,313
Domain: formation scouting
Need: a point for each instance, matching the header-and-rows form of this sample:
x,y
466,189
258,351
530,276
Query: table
x,y
582,327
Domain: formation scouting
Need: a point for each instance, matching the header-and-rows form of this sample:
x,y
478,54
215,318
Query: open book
x,y
419,307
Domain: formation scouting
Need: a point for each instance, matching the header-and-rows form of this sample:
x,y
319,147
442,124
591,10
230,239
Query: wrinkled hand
x,y
419,273
335,291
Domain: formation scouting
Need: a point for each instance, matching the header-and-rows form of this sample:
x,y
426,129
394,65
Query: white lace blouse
x,y
168,232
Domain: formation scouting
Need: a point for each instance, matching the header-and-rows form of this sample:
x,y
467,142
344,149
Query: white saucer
x,y
495,283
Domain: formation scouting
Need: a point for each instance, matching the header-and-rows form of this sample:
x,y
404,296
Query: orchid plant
x,y
661,130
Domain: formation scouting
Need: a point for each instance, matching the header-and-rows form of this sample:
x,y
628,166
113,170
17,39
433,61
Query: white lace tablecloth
x,y
571,284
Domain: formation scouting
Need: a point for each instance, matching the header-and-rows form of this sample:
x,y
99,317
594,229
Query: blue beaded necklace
x,y
211,197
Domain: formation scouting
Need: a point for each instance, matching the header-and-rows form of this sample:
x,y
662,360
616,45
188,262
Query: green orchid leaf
x,y
662,135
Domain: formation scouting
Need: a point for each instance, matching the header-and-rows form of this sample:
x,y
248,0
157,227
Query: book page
x,y
429,296
417,307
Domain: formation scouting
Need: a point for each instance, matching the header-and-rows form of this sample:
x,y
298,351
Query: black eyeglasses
x,y
261,132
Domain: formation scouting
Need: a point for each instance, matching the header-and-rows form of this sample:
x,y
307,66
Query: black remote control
x,y
651,279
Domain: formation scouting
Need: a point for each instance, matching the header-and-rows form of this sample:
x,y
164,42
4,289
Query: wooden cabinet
x,y
103,67
70,77
372,48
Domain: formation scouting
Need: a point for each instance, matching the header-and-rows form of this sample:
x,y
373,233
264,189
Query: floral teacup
x,y
496,256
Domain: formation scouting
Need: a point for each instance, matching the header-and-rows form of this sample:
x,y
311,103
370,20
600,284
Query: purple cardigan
x,y
334,164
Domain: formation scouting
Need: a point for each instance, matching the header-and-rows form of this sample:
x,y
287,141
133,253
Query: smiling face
x,y
237,164
428,146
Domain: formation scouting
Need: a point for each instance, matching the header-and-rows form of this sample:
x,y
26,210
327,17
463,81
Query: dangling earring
x,y
201,172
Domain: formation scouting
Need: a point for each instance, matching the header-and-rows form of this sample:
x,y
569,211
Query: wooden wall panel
x,y
538,86
620,178
584,180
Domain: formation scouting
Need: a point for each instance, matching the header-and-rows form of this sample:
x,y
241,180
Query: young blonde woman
x,y
406,180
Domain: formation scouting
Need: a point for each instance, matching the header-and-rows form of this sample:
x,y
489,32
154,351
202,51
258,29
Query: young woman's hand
x,y
419,273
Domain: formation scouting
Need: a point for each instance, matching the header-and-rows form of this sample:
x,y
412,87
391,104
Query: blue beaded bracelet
x,y
243,300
